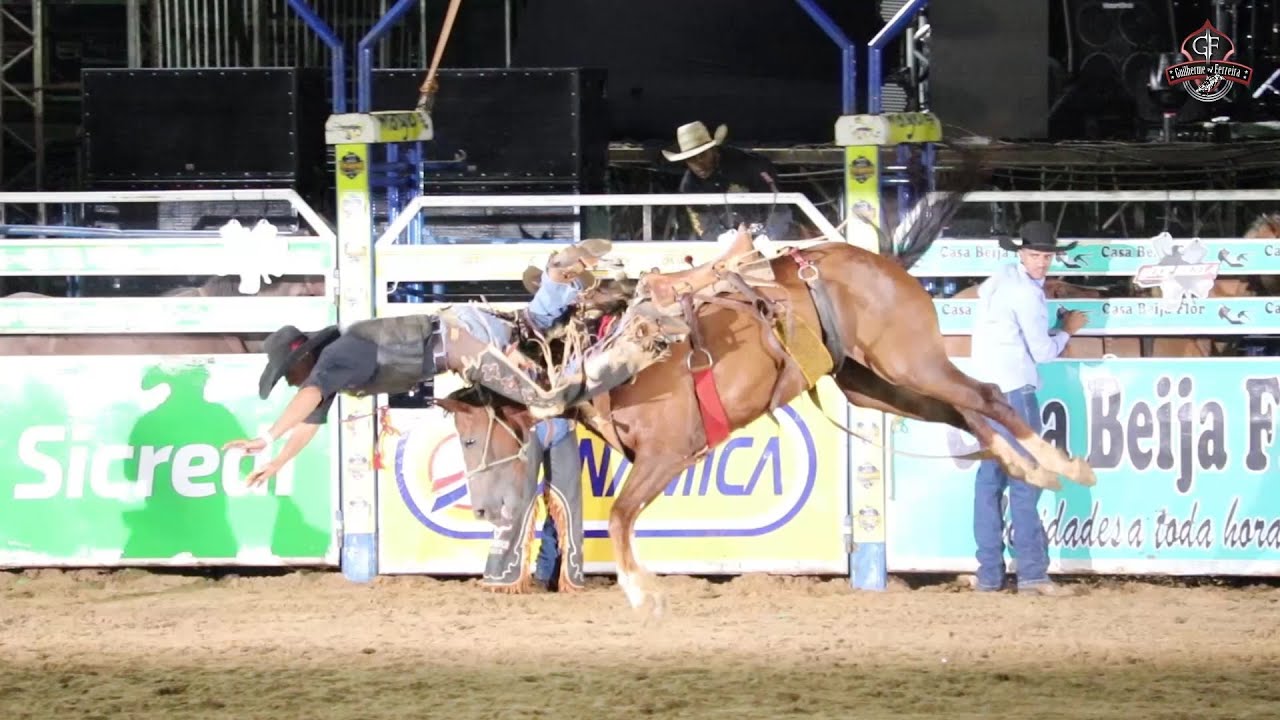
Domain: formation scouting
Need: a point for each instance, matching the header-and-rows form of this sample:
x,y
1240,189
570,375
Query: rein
x,y
486,465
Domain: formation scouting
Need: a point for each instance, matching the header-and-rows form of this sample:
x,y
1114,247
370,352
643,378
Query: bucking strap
x,y
831,335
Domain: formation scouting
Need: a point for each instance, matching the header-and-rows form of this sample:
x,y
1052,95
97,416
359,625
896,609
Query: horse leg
x,y
1019,464
648,477
866,389
856,376
935,376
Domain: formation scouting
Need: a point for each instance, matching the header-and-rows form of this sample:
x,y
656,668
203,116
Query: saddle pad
x,y
807,348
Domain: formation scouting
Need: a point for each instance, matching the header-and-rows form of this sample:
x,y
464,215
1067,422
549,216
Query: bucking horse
x,y
831,309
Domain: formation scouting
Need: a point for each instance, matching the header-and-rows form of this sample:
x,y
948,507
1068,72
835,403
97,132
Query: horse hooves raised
x,y
1081,473
1044,478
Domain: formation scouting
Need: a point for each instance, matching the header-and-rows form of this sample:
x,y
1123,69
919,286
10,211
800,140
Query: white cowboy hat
x,y
693,139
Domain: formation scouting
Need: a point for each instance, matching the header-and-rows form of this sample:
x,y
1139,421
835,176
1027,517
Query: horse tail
x,y
921,225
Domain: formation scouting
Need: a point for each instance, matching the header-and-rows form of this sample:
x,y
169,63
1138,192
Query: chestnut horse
x,y
892,359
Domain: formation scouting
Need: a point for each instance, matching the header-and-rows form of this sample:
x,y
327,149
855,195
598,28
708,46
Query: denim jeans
x,y
1030,543
548,553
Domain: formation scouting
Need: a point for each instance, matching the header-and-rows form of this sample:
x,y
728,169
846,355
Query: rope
x,y
427,91
979,455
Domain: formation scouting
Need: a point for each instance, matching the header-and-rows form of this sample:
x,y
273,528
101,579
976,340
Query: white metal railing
x,y
1122,195
397,262
125,255
420,203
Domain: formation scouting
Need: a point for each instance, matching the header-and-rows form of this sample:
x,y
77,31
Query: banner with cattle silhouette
x,y
118,461
1186,456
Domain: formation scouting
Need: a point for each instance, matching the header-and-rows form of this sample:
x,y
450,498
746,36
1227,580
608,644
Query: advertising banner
x,y
1183,451
118,460
770,498
1144,316
1123,257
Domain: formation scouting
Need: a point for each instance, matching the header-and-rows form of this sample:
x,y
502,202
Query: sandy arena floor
x,y
136,644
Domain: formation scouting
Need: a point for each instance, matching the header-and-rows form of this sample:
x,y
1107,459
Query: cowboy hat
x,y
1036,235
565,265
532,279
284,348
693,139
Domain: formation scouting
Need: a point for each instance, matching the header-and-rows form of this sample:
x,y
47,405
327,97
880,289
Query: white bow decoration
x,y
254,254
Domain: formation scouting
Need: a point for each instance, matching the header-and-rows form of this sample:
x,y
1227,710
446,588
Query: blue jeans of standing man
x,y
547,566
1030,543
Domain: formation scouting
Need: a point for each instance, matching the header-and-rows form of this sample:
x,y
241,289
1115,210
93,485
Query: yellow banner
x,y
771,498
862,195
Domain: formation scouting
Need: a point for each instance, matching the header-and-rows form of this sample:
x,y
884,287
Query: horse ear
x,y
450,405
517,415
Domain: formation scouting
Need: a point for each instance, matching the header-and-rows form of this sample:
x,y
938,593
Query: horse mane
x,y
1265,221
478,396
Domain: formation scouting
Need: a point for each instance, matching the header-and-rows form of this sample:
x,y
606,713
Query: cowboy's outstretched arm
x,y
302,404
298,439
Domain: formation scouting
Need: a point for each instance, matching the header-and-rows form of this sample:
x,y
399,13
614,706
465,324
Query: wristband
x,y
266,438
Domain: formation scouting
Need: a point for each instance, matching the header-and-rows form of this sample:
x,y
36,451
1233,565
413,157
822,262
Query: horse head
x,y
494,435
1266,225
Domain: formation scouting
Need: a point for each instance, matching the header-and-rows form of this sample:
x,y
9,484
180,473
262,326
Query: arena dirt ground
x,y
138,644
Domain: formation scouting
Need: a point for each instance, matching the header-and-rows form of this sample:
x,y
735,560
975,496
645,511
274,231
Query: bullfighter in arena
x,y
1011,335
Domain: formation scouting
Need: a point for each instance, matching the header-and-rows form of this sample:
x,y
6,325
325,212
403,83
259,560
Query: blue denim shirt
x,y
551,301
552,431
1011,332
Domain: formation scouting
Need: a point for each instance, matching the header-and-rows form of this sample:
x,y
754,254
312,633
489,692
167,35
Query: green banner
x,y
144,256
961,257
1183,450
118,460
1145,316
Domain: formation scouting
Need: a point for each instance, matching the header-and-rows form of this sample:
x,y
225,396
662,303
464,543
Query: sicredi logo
x,y
750,485
73,463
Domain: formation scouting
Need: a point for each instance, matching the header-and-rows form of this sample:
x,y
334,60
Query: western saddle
x,y
665,289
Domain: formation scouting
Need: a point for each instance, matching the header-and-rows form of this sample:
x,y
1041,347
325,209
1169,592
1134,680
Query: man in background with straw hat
x,y
713,167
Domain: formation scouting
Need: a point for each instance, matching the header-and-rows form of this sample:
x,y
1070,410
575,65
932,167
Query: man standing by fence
x,y
1011,335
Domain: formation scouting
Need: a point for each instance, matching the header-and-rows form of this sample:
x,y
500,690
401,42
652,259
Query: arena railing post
x,y
862,137
353,135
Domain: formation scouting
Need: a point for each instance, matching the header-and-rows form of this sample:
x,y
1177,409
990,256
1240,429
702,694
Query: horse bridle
x,y
485,465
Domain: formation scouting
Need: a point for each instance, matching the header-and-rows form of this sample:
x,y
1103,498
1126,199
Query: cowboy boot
x,y
564,503
507,567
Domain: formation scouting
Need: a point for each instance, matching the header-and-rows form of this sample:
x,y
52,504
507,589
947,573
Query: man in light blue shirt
x,y
1011,335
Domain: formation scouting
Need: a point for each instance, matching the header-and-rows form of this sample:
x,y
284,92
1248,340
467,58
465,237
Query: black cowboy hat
x,y
285,347
1036,235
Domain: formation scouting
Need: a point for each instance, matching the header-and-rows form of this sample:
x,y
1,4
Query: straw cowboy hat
x,y
1036,235
285,347
693,139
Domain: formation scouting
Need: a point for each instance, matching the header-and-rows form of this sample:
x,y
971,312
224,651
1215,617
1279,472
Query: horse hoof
x,y
1044,478
1082,474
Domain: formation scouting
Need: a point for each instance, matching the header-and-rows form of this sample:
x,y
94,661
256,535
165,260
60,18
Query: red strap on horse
x,y
801,260
715,421
606,323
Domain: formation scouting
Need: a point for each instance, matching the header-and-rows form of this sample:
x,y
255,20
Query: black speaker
x,y
523,130
989,67
1109,49
204,128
